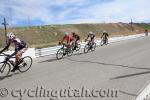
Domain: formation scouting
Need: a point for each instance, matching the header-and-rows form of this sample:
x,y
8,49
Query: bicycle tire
x,y
86,48
23,64
93,47
3,68
60,51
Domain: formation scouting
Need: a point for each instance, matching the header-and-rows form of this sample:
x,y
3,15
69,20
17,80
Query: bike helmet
x,y
66,33
91,33
104,31
10,35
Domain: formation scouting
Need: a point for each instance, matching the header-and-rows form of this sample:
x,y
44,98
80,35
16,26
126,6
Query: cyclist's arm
x,y
102,35
6,47
87,38
62,40
107,35
13,54
94,37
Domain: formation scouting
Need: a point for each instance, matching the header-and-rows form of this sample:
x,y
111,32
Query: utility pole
x,y
131,25
5,26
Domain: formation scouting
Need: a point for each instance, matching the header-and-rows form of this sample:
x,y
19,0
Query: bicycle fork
x,y
2,68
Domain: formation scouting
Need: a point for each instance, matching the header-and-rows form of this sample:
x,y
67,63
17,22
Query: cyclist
x,y
76,39
146,32
68,39
20,48
105,35
91,37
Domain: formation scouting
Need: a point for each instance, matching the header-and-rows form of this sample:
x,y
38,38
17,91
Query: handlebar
x,y
63,44
4,54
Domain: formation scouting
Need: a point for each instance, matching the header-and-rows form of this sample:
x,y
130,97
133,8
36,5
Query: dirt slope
x,y
43,36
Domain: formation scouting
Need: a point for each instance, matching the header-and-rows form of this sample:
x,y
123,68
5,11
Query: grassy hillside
x,y
43,36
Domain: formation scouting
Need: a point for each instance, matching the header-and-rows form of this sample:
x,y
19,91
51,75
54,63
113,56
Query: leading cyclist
x,y
20,48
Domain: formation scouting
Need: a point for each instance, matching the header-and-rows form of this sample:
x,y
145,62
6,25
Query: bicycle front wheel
x,y
93,47
102,42
69,51
78,47
4,70
86,48
60,54
25,64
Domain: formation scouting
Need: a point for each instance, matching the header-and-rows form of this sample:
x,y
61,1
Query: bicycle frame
x,y
6,61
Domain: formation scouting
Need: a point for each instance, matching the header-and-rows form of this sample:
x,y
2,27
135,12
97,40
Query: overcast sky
x,y
41,12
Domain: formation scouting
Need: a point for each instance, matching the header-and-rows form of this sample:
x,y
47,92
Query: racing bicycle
x,y
104,41
24,64
90,46
63,51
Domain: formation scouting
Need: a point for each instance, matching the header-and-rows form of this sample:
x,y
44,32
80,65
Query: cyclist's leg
x,y
76,44
19,54
18,58
65,48
92,41
77,41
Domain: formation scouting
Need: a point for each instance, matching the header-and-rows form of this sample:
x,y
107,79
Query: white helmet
x,y
104,31
10,35
91,33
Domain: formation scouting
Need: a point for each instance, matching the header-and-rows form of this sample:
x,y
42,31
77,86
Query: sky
x,y
46,12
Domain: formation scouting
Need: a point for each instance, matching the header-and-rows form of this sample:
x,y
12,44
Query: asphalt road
x,y
123,67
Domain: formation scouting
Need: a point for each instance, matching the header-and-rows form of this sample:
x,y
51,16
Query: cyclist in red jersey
x,y
67,39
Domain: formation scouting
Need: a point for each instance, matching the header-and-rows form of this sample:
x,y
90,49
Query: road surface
x,y
123,67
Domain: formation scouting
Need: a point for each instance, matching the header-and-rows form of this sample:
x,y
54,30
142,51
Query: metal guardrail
x,y
53,50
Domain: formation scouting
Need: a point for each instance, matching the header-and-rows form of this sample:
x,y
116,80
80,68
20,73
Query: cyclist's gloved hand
x,y
59,43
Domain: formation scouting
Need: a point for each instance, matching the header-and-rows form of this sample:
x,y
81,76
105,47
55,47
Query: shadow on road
x,y
130,75
54,59
126,93
78,54
118,65
2,78
107,64
49,60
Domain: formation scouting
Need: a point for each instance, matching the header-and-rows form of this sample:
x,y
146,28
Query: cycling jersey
x,y
19,45
105,35
91,36
77,37
68,38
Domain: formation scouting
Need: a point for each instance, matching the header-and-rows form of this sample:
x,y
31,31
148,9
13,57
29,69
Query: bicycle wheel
x,y
60,54
69,51
86,48
106,43
5,70
102,42
78,47
25,64
93,47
